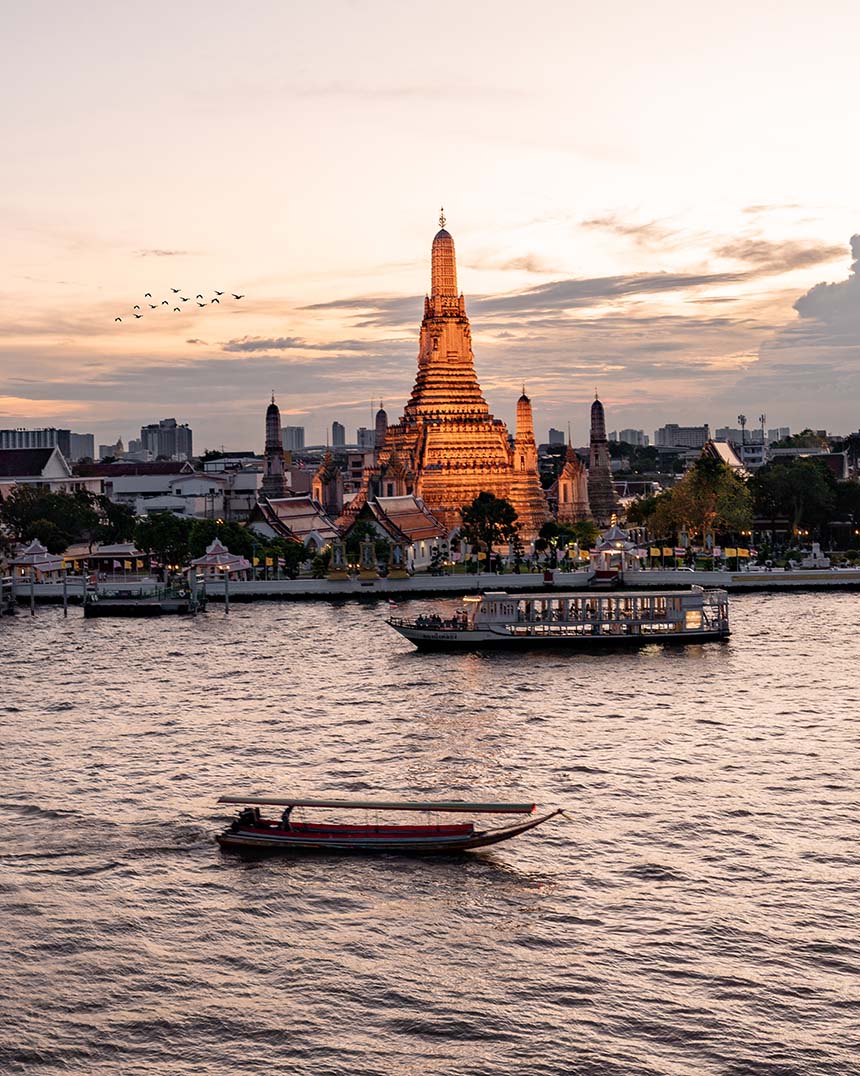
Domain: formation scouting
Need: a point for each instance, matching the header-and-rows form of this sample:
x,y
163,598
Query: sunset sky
x,y
644,198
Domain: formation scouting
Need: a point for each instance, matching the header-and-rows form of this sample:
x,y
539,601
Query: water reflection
x,y
708,871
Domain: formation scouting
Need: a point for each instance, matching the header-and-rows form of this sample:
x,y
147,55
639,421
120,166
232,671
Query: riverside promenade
x,y
439,586
428,586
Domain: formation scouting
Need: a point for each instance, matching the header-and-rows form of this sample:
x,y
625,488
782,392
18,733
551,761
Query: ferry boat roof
x,y
458,806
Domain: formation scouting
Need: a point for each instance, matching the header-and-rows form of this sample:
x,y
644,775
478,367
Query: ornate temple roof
x,y
296,517
410,516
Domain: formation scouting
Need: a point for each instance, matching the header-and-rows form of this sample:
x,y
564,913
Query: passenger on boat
x,y
285,818
248,816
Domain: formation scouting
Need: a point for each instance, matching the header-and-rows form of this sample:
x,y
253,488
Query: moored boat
x,y
579,621
251,830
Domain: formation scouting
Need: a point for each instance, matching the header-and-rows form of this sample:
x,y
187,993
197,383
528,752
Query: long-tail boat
x,y
251,830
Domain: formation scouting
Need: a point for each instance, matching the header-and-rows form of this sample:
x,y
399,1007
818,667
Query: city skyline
x,y
666,249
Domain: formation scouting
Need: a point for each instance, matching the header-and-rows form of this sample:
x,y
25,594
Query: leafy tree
x,y
165,534
710,498
555,536
52,537
489,521
363,530
117,522
234,536
35,512
801,490
805,439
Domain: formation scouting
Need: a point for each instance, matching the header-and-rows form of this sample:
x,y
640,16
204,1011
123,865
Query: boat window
x,y
693,620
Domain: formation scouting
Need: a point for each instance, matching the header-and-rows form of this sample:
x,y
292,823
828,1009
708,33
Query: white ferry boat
x,y
580,621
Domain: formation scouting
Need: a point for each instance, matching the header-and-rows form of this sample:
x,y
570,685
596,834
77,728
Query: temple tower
x,y
525,448
573,506
273,476
380,427
526,493
601,492
447,439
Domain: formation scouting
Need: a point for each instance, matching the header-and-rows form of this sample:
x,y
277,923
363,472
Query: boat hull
x,y
430,639
332,839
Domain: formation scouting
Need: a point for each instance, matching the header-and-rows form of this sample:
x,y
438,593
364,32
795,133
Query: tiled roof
x,y
410,516
23,462
116,470
300,516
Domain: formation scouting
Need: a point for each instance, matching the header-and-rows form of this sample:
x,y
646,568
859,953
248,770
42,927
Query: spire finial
x,y
524,388
595,394
568,434
441,216
273,395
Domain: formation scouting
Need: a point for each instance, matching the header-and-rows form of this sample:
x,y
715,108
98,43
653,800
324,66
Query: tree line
x,y
799,495
59,520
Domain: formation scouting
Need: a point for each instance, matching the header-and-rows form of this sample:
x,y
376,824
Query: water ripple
x,y
695,918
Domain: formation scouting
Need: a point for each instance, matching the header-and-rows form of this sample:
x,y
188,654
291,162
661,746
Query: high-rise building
x,y
115,451
633,437
365,438
293,438
338,435
779,434
737,436
447,447
273,471
556,437
674,436
82,446
601,491
49,437
167,438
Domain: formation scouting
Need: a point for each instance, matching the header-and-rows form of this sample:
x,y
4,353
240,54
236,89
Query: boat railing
x,y
431,623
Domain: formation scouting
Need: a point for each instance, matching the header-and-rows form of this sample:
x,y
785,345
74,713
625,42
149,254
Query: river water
x,y
696,915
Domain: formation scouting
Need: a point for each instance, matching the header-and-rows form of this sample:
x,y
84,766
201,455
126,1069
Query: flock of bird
x,y
182,298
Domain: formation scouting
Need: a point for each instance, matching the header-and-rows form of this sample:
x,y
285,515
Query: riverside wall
x,y
427,586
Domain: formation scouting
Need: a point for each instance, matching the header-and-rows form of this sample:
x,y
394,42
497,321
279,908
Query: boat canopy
x,y
458,806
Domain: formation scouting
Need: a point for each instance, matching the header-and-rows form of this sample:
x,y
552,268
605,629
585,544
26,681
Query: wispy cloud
x,y
158,252
295,343
643,233
781,256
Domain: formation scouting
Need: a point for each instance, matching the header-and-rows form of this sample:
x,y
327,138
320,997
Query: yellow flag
x,y
256,561
730,552
140,564
667,552
269,562
127,563
653,552
743,552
